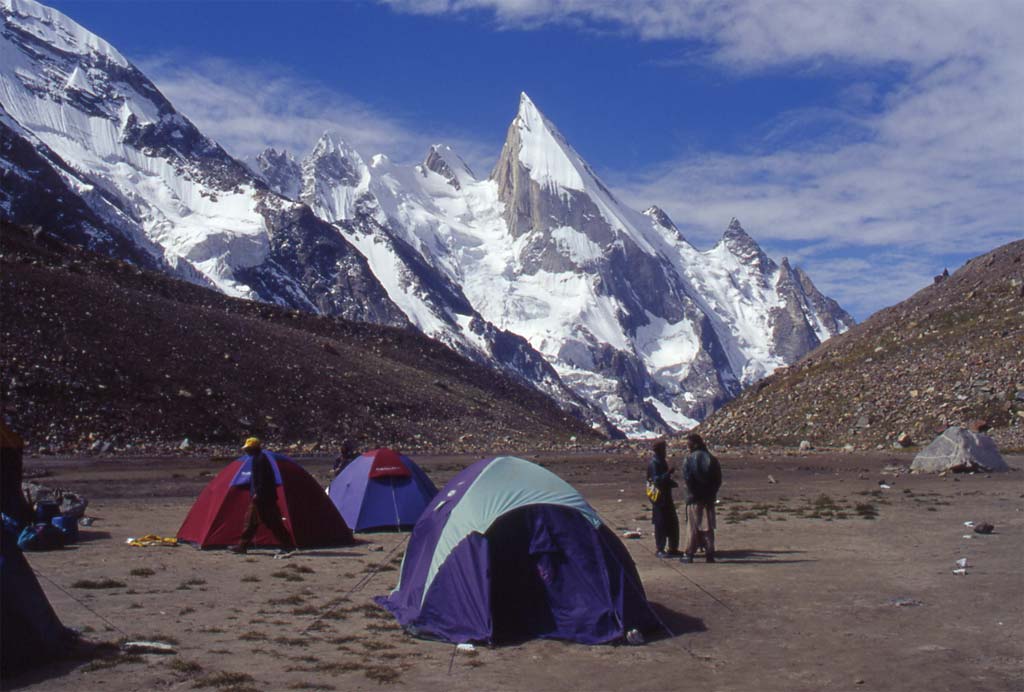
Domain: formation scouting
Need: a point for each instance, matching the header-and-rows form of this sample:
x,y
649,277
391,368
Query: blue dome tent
x,y
381,489
509,551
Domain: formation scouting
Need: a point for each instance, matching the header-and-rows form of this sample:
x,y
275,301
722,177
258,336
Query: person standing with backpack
x,y
663,508
703,477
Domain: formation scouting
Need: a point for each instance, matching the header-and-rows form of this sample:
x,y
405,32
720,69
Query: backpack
x,y
41,537
652,492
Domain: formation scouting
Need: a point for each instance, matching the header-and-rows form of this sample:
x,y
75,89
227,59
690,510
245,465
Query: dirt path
x,y
825,581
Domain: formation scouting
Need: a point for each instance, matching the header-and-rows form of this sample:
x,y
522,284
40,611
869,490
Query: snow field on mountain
x,y
543,154
52,27
392,274
216,231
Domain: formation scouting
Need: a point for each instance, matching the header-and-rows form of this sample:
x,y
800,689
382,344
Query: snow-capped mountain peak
x,y
444,161
334,177
281,172
738,243
543,151
55,29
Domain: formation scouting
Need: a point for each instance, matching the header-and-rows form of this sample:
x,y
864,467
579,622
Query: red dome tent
x,y
217,518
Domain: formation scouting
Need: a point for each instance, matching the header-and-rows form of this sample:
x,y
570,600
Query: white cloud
x,y
247,108
752,34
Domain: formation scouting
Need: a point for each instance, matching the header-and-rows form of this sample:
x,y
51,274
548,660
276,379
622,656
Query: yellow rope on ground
x,y
151,539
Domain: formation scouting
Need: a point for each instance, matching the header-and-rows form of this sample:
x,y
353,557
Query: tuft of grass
x,y
292,641
189,583
180,665
104,583
295,599
866,510
823,502
305,610
300,569
223,679
250,578
336,667
252,636
310,686
142,572
286,575
112,661
382,675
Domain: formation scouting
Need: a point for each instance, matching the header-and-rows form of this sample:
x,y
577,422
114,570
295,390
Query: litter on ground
x,y
146,647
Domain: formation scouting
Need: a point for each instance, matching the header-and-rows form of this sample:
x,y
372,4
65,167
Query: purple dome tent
x,y
381,489
509,551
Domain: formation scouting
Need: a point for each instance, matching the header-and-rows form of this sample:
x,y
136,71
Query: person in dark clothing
x,y
663,509
13,500
347,456
703,477
263,507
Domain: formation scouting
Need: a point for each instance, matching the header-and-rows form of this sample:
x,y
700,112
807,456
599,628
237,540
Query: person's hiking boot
x,y
686,559
238,549
711,557
283,553
661,554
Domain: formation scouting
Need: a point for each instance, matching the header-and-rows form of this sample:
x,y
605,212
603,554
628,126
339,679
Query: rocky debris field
x,y
952,354
101,356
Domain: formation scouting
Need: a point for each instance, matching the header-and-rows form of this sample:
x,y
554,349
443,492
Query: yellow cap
x,y
252,443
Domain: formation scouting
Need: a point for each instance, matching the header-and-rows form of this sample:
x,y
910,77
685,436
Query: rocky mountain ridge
x,y
951,354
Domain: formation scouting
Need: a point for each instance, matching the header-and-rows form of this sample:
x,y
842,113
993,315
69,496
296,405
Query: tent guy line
x,y
72,597
366,579
688,578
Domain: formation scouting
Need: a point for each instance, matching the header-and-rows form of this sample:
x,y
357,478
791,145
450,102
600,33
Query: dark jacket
x,y
703,476
659,473
262,483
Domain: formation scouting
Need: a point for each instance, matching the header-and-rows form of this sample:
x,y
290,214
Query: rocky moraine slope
x,y
951,354
100,354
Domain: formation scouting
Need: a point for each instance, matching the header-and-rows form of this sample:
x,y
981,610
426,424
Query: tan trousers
x,y
700,525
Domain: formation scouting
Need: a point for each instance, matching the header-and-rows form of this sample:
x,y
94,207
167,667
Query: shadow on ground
x,y
78,653
87,536
760,557
673,623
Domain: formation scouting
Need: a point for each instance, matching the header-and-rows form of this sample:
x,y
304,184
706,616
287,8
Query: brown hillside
x,y
950,354
97,353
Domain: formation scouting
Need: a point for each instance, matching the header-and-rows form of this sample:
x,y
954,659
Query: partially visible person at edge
x,y
663,510
703,477
12,499
263,507
347,456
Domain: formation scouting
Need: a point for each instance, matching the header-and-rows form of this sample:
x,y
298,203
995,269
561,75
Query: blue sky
x,y
872,142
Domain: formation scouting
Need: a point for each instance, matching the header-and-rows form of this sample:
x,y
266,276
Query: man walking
x,y
703,477
663,510
263,507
